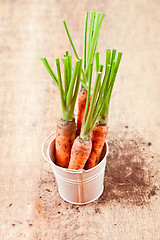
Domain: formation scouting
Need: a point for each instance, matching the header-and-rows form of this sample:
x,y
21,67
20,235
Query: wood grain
x,y
31,207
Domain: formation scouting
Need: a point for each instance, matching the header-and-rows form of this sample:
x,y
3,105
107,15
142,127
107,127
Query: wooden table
x,y
31,207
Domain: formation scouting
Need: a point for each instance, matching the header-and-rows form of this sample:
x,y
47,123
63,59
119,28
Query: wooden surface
x,y
31,207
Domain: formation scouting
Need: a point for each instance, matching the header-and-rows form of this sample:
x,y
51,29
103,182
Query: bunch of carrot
x,y
80,145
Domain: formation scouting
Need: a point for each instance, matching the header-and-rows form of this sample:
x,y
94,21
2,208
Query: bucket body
x,y
76,186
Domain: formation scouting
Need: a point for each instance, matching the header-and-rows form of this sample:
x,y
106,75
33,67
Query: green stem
x,y
108,63
50,71
88,94
86,127
60,87
102,90
66,82
76,87
72,82
69,68
101,103
101,95
114,75
89,34
94,16
114,68
108,57
97,60
93,44
85,40
74,49
100,23
67,53
84,84
117,63
113,55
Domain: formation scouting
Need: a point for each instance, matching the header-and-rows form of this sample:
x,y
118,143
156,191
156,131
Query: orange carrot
x,y
65,136
66,126
82,97
92,26
82,145
80,152
98,137
100,130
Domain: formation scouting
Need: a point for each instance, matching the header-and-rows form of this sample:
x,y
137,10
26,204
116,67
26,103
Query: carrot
x,y
98,137
66,126
90,41
82,146
82,97
65,136
80,153
100,129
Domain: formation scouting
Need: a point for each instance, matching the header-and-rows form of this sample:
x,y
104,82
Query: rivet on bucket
x,y
76,186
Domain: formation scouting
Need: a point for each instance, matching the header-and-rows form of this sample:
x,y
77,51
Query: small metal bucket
x,y
76,186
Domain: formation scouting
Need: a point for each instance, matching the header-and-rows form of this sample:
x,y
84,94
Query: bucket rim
x,y
48,159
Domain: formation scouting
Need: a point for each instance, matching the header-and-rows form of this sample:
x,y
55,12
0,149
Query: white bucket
x,y
76,186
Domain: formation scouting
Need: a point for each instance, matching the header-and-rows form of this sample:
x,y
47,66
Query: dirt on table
x,y
128,175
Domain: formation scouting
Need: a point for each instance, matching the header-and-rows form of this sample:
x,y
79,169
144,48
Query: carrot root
x,y
65,136
98,137
80,153
82,97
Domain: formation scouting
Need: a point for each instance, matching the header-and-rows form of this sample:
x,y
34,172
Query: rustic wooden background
x,y
31,207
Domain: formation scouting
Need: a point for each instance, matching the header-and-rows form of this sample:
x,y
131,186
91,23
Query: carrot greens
x,y
90,41
111,76
99,107
68,93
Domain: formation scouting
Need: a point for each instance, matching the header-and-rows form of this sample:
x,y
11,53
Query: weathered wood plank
x,y
29,109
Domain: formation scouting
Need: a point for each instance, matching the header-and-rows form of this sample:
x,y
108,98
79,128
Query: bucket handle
x,y
43,147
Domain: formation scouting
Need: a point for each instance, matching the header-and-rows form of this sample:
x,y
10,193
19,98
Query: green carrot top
x,y
90,41
102,90
113,62
68,92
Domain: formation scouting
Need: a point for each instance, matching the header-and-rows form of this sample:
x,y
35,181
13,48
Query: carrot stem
x,y
50,71
74,49
100,23
72,82
66,84
103,119
108,57
113,55
60,88
95,26
88,93
115,73
117,63
97,60
69,68
89,34
85,40
67,53
77,86
94,16
93,43
103,97
85,129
